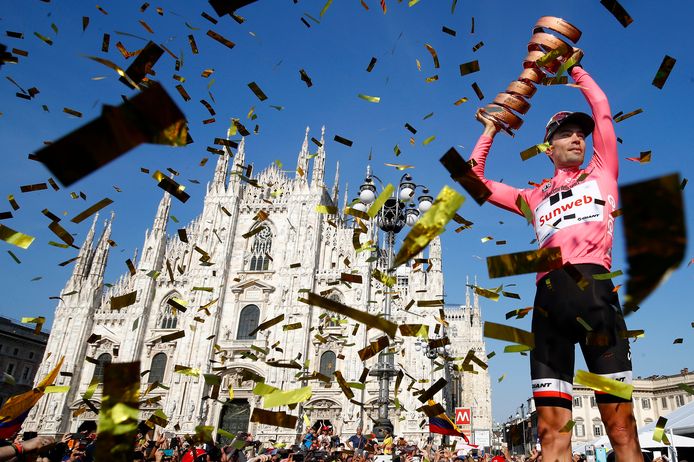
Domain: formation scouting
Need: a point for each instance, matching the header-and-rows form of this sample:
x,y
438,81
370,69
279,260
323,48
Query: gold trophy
x,y
546,55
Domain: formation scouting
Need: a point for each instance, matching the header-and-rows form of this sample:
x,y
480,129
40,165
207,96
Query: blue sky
x,y
271,47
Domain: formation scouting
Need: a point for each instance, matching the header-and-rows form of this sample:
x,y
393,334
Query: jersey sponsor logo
x,y
580,204
541,385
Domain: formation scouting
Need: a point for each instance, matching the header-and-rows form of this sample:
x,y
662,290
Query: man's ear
x,y
550,153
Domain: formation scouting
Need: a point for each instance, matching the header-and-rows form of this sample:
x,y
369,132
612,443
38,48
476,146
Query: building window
x,y
168,318
577,401
597,428
332,320
663,402
10,368
679,400
327,363
260,250
593,403
403,285
157,368
248,321
580,429
31,355
15,352
645,403
25,374
101,363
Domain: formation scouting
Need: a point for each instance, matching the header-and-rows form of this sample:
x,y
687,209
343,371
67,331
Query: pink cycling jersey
x,y
573,210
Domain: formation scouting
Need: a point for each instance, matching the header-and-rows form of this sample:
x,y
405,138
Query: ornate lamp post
x,y
397,211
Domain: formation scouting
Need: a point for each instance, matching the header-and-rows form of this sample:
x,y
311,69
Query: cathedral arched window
x,y
327,363
101,363
248,321
157,368
260,250
331,320
168,318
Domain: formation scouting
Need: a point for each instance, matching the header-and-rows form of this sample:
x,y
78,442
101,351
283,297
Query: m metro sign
x,y
463,416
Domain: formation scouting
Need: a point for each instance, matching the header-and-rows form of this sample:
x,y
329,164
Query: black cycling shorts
x,y
565,315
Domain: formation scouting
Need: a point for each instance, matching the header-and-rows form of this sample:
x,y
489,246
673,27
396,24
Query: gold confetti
x,y
533,261
380,200
433,54
13,237
80,217
462,173
469,68
371,99
664,71
123,300
370,320
618,11
283,398
604,384
278,419
226,42
430,225
509,334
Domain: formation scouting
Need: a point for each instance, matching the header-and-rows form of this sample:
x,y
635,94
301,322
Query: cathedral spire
x,y
302,161
336,184
318,177
162,216
467,291
101,252
220,171
81,269
240,156
346,197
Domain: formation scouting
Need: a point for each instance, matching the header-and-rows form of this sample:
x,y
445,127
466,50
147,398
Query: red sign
x,y
463,416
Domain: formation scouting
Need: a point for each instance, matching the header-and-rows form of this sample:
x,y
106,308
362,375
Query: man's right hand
x,y
491,128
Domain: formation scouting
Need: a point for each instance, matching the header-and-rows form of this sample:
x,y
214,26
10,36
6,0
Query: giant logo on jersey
x,y
562,209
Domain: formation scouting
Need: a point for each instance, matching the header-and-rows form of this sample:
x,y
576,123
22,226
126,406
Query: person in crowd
x,y
357,442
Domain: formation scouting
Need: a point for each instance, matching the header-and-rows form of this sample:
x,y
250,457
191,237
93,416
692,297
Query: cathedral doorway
x,y
234,418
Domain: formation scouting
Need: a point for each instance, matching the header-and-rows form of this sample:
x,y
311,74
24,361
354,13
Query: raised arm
x,y
503,195
604,138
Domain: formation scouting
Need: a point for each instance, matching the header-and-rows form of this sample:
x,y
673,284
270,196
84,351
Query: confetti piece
x,y
370,320
118,413
568,427
282,398
620,118
477,46
123,300
469,68
533,261
431,391
44,38
448,31
257,91
322,12
430,225
664,71
91,210
371,99
305,78
224,41
342,140
617,11
462,173
67,110
99,142
534,150
460,101
678,341
652,209
478,91
115,67
605,276
604,384
428,140
371,65
509,334
16,238
644,157
433,54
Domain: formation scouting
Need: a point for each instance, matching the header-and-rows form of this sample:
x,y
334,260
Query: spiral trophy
x,y
546,54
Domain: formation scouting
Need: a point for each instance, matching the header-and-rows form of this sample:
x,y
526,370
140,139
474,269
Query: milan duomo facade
x,y
229,283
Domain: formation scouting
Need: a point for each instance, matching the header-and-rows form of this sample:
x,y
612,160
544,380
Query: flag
x,y
16,409
443,425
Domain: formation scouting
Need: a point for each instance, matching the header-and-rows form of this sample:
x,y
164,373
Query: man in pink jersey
x,y
573,211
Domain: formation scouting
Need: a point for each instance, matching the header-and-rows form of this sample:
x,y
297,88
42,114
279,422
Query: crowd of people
x,y
319,444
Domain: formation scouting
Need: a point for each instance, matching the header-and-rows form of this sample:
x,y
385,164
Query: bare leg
x,y
621,429
555,446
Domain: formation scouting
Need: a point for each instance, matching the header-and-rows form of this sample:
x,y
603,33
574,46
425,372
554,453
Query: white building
x,y
228,283
653,397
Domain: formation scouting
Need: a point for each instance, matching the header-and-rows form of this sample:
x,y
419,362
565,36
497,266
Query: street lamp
x,y
433,353
397,211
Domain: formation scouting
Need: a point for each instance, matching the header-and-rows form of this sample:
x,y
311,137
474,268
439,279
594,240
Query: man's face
x,y
568,146
358,431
